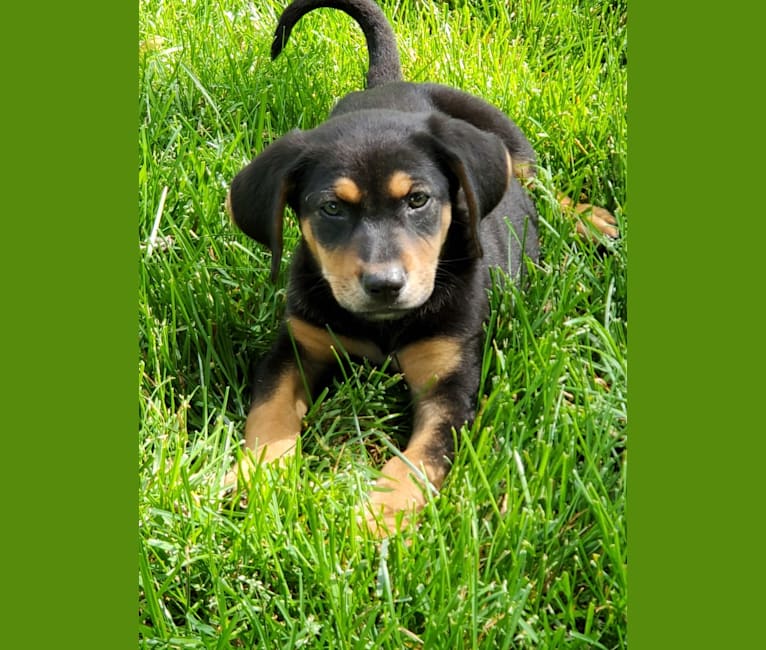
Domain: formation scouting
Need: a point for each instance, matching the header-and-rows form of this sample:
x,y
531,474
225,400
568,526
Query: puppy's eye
x,y
417,200
330,209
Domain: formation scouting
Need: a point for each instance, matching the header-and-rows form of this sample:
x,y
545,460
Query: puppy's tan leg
x,y
273,424
602,219
401,489
443,399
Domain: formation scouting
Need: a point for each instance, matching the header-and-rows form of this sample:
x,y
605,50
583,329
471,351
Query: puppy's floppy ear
x,y
259,193
484,116
481,164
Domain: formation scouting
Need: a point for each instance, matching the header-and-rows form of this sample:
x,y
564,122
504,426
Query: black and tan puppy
x,y
404,198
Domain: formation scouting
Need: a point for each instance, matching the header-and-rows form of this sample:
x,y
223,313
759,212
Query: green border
x,y
695,287
70,335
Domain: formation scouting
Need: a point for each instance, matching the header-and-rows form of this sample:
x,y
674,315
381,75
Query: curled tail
x,y
384,65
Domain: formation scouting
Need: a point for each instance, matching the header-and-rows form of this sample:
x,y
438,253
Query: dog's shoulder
x,y
402,96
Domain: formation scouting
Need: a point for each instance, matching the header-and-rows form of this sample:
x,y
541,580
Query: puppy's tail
x,y
384,65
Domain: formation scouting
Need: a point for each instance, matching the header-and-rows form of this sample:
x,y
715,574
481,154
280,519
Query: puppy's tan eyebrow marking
x,y
400,184
347,190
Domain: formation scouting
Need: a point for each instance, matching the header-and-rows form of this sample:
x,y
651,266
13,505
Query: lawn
x,y
525,546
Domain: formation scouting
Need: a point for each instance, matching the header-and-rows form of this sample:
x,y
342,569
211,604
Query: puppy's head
x,y
378,194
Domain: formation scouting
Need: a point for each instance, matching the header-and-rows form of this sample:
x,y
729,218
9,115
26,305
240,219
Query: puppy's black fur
x,y
404,197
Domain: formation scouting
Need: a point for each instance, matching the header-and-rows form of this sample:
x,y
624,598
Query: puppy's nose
x,y
384,284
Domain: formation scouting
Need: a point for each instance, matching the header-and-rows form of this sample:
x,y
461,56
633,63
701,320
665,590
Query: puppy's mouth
x,y
369,309
390,313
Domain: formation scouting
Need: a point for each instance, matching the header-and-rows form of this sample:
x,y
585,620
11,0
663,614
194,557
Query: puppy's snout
x,y
384,285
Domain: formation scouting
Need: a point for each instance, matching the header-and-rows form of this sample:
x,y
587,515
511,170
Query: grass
x,y
526,544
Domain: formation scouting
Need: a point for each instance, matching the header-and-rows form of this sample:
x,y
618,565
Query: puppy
x,y
406,197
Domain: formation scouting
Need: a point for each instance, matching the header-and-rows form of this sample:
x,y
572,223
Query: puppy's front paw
x,y
600,218
395,499
238,476
276,452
